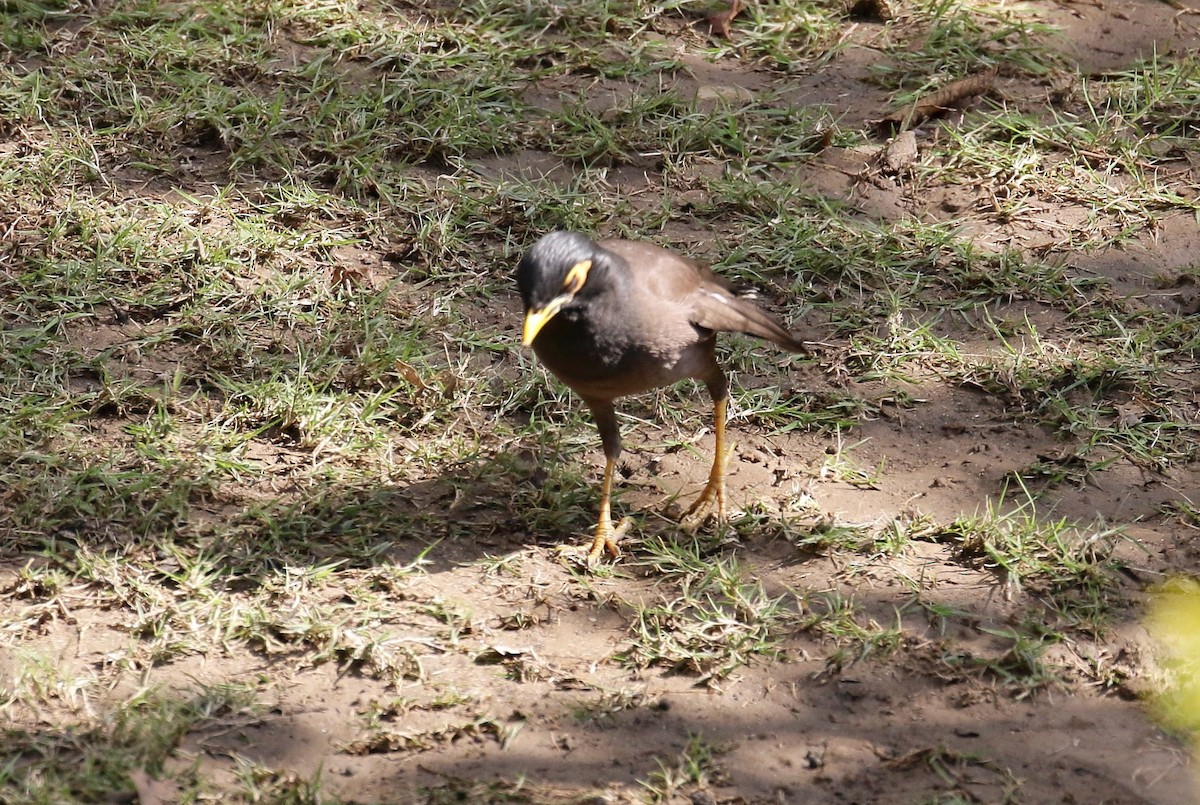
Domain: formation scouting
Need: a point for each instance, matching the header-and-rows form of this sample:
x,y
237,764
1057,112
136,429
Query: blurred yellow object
x,y
1174,621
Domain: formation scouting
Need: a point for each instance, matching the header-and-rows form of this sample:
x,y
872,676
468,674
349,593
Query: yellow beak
x,y
535,320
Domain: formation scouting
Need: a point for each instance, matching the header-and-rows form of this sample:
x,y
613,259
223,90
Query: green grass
x,y
1071,568
715,619
695,768
137,736
955,39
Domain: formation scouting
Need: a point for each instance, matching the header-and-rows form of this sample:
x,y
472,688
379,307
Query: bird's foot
x,y
604,541
714,492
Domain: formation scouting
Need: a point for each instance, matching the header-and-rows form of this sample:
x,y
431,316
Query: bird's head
x,y
552,274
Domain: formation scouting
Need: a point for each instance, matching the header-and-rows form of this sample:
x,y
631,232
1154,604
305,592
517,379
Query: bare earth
x,y
537,695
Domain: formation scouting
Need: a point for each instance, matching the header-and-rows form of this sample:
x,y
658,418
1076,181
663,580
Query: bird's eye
x,y
577,276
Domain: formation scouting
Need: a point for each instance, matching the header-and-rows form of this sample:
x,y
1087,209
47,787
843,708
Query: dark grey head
x,y
553,272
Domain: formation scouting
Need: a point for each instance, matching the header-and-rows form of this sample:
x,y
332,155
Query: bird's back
x,y
705,298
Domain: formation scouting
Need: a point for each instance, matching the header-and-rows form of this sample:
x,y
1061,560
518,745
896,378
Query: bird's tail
x,y
757,322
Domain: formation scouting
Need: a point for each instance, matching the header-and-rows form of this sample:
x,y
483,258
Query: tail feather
x,y
718,309
764,325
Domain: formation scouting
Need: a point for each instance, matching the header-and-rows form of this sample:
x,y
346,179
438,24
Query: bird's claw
x,y
697,513
714,491
604,541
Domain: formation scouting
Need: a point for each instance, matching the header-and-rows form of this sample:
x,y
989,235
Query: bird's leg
x,y
605,538
715,488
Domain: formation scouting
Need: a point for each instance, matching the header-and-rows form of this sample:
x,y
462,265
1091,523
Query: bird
x,y
613,318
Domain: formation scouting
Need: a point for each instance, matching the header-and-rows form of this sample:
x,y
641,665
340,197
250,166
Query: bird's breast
x,y
610,362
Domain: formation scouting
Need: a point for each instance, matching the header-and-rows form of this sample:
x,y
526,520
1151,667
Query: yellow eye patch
x,y
577,276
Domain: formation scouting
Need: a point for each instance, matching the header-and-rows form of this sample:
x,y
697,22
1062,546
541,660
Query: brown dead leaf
x,y
350,277
937,102
410,374
384,741
450,382
719,23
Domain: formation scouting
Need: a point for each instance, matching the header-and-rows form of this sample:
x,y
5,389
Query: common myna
x,y
615,317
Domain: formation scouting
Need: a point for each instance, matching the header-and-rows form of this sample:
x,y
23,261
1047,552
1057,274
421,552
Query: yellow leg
x,y
715,488
606,537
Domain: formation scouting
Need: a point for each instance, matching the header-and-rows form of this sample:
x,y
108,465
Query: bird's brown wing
x,y
716,308
675,280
